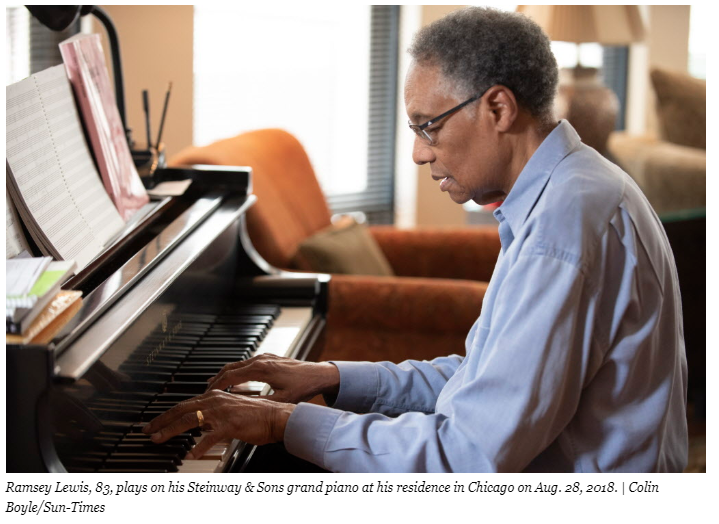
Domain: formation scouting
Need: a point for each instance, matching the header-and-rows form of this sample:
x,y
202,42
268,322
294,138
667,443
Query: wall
x,y
666,46
156,48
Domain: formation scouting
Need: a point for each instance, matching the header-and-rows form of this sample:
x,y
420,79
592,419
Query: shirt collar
x,y
534,177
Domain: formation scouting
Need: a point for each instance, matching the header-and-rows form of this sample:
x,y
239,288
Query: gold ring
x,y
200,419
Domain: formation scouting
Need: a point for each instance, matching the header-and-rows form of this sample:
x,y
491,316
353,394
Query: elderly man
x,y
576,362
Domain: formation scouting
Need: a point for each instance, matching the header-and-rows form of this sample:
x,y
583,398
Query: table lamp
x,y
584,101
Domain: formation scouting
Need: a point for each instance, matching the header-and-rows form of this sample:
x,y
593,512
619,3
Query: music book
x,y
51,320
15,240
85,65
22,308
51,177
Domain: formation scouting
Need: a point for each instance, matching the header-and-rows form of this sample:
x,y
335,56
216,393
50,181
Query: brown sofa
x,y
441,275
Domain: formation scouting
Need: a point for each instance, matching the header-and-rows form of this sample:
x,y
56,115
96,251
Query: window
x,y
17,42
698,16
301,68
30,46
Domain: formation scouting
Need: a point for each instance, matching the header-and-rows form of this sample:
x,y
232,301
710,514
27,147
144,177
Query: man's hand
x,y
250,419
292,380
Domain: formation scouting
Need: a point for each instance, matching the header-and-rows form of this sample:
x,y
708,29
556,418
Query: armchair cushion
x,y
681,107
672,177
397,318
345,248
468,253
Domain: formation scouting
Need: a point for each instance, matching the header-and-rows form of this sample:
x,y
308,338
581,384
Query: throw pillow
x,y
681,108
346,247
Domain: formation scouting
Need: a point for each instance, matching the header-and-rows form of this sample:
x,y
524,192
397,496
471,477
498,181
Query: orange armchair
x,y
424,311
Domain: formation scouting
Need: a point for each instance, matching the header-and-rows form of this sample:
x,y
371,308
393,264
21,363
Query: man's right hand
x,y
292,380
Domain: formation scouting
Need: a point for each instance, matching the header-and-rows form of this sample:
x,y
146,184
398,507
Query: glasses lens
x,y
421,133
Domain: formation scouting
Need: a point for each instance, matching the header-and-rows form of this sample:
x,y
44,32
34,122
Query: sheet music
x,y
52,167
15,241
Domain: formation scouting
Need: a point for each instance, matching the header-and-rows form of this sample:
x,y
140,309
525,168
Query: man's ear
x,y
502,107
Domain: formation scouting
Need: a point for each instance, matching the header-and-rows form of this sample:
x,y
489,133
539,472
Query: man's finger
x,y
205,444
180,425
230,367
188,406
251,372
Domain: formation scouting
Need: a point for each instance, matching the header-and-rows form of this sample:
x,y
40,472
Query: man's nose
x,y
422,152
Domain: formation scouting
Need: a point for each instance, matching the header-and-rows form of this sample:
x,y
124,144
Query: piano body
x,y
164,308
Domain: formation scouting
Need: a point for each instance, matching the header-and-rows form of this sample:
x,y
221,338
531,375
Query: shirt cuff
x,y
359,386
308,430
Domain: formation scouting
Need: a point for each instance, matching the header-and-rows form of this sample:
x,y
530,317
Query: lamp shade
x,y
603,24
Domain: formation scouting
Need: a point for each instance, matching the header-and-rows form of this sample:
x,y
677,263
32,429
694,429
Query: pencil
x,y
164,114
146,106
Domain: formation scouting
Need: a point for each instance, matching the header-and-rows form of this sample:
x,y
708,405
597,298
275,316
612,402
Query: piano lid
x,y
168,255
132,257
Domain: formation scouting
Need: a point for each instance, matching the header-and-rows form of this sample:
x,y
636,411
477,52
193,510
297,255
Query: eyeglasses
x,y
419,129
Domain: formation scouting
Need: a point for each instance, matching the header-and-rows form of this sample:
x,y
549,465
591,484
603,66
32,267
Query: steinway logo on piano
x,y
165,340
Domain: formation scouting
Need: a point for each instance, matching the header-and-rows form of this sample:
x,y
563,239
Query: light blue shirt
x,y
576,362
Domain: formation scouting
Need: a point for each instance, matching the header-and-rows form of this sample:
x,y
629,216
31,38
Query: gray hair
x,y
479,47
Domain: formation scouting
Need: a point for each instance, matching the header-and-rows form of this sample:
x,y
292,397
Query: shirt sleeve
x,y
392,389
499,409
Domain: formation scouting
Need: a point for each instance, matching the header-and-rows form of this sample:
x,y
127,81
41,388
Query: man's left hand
x,y
253,420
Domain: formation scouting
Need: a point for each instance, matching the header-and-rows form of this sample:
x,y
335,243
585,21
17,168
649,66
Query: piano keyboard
x,y
163,371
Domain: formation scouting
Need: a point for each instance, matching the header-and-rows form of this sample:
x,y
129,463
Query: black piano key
x,y
253,320
210,345
179,346
228,354
166,464
183,336
254,334
129,367
193,377
164,359
117,427
253,309
235,328
148,416
173,397
120,470
120,415
176,352
187,442
129,395
214,368
144,385
175,448
83,462
211,358
161,405
118,404
186,387
110,434
182,438
150,375
228,342
195,317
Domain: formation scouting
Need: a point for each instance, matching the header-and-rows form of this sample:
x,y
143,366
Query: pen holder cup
x,y
147,162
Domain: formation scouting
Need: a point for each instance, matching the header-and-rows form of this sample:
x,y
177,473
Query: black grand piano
x,y
164,308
